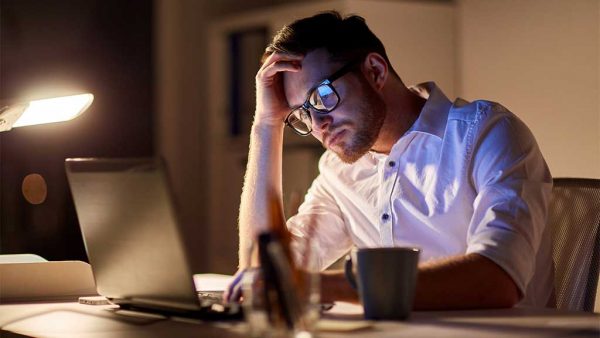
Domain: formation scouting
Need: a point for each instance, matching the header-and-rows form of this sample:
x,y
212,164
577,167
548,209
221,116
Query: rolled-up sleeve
x,y
319,227
513,186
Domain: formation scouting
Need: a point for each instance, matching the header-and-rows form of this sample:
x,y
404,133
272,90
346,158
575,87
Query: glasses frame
x,y
306,106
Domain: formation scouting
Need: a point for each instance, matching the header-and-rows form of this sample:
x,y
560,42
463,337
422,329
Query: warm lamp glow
x,y
54,110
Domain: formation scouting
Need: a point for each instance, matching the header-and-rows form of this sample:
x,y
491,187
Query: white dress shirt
x,y
465,178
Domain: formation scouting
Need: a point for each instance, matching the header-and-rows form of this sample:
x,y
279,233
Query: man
x,y
465,182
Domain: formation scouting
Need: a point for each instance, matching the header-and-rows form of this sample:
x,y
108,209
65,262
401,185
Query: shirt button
x,y
391,163
385,217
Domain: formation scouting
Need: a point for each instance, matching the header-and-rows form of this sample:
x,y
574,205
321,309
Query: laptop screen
x,y
130,229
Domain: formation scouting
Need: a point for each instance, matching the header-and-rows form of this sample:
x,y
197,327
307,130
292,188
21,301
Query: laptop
x,y
132,238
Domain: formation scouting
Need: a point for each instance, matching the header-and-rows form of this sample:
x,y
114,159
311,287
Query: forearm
x,y
460,282
261,182
335,287
464,282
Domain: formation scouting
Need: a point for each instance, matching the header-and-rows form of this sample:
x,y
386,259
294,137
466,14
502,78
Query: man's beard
x,y
371,116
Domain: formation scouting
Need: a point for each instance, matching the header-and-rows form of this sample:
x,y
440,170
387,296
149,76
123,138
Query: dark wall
x,y
60,47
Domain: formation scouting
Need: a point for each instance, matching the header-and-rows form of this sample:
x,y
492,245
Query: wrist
x,y
334,286
272,118
262,126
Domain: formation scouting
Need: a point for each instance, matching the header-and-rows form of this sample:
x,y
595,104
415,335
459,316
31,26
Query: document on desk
x,y
343,317
206,282
338,325
45,281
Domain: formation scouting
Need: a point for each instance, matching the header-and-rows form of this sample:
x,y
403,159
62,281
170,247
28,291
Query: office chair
x,y
574,220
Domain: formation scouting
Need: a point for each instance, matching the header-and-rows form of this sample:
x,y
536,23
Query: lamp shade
x,y
50,110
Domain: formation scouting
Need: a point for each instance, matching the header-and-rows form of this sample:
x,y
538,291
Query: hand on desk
x,y
233,292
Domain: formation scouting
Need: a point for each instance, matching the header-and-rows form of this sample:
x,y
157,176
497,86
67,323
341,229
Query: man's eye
x,y
304,115
327,97
323,98
315,99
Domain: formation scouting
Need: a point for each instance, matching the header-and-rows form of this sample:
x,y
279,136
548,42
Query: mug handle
x,y
349,273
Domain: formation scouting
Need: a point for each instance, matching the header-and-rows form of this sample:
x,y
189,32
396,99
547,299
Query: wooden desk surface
x,y
76,320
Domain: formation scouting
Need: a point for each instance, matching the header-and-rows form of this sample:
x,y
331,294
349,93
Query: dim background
x,y
167,74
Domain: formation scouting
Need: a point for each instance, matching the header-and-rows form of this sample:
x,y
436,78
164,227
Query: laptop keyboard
x,y
212,304
207,299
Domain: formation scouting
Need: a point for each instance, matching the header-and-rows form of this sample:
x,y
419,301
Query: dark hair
x,y
345,38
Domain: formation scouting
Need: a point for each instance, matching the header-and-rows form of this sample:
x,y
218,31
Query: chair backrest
x,y
574,219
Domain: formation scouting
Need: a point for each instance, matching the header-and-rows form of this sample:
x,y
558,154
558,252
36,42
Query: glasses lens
x,y
323,98
300,121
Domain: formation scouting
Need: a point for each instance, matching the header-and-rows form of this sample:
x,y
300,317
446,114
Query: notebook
x,y
132,237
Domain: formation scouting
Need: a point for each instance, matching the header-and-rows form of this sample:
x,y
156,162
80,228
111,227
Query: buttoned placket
x,y
384,208
389,168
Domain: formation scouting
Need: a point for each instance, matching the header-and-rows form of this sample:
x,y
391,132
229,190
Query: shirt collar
x,y
434,115
432,118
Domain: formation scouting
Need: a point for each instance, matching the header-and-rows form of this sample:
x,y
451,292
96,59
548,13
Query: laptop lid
x,y
130,230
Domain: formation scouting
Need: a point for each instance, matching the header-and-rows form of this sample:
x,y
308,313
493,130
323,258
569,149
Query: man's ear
x,y
376,70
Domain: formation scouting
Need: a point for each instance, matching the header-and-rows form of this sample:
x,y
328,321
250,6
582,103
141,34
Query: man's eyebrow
x,y
304,96
313,87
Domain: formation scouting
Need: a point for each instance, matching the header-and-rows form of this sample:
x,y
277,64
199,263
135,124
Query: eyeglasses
x,y
322,98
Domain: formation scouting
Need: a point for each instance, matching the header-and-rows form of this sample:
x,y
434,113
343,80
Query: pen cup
x,y
254,303
265,319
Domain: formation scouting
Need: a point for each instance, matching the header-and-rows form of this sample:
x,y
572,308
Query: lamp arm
x,y
10,114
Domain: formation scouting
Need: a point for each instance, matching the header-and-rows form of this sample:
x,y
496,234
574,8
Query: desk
x,y
76,320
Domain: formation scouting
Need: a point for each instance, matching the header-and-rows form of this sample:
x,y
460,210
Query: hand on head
x,y
271,103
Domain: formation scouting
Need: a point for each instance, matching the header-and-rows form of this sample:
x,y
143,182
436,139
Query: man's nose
x,y
321,122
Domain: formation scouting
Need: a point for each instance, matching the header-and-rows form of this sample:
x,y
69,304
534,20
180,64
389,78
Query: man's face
x,y
351,129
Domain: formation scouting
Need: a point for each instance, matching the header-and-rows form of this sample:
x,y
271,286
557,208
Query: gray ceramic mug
x,y
385,279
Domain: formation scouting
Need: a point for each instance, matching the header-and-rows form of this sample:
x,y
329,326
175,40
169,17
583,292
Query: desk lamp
x,y
51,110
43,111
